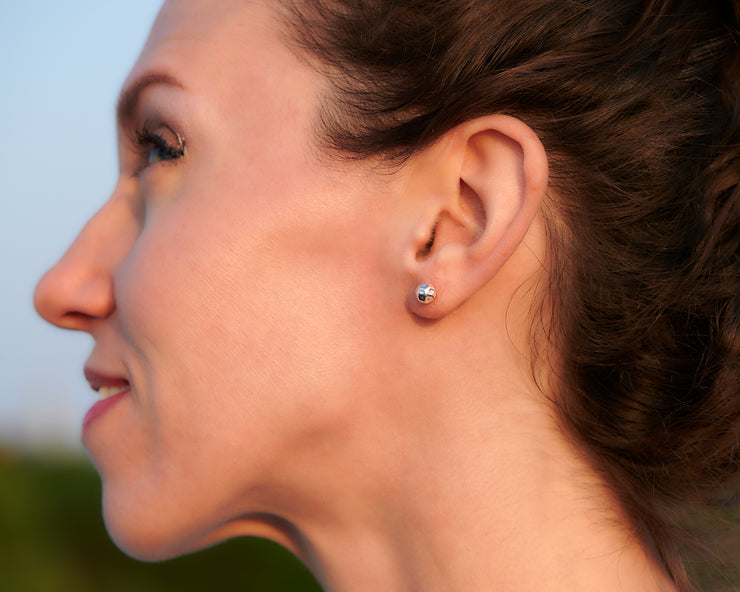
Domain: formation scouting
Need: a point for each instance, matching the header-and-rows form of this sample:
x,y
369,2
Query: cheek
x,y
250,339
238,331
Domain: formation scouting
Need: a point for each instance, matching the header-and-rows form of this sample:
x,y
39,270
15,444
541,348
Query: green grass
x,y
52,539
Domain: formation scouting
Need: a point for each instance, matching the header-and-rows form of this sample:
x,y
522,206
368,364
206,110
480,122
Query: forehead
x,y
195,20
219,47
225,24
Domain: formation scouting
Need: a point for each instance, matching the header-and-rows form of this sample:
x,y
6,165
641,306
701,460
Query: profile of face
x,y
225,281
261,358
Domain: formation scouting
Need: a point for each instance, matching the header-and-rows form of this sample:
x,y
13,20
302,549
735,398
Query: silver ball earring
x,y
425,293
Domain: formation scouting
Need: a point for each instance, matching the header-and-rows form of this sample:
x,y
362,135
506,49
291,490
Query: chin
x,y
147,534
141,543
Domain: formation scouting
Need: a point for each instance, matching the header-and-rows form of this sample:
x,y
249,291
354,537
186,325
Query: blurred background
x,y
61,68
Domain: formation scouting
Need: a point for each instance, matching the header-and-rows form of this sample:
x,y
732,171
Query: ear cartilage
x,y
425,293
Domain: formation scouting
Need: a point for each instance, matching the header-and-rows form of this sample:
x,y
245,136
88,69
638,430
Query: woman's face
x,y
232,285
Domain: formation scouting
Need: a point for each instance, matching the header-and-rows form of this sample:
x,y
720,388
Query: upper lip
x,y
98,379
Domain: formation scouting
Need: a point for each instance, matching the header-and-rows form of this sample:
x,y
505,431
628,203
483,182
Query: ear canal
x,y
427,248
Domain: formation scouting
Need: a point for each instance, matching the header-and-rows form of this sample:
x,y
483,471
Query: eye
x,y
157,153
157,145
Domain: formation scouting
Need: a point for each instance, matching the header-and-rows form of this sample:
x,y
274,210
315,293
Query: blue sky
x,y
61,68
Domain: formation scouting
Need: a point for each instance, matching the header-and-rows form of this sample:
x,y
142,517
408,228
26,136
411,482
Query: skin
x,y
285,383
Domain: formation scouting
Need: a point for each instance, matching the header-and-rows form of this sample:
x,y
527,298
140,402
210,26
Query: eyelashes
x,y
156,145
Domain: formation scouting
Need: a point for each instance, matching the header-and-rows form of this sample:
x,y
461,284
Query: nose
x,y
77,292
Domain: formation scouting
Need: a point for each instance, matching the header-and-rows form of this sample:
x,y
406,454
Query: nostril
x,y
76,321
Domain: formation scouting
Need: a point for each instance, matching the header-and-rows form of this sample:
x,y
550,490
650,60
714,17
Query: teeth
x,y
105,392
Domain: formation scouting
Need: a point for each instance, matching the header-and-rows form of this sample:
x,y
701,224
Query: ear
x,y
489,178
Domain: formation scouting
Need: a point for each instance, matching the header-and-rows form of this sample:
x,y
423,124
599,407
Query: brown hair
x,y
638,106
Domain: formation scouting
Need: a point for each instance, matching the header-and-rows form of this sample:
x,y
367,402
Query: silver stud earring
x,y
425,293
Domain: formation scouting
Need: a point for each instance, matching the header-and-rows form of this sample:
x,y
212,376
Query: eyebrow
x,y
129,98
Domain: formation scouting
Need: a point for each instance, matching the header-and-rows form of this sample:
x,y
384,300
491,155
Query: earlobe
x,y
500,180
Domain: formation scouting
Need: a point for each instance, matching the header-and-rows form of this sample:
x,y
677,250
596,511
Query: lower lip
x,y
100,408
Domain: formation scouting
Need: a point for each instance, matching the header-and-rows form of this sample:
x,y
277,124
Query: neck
x,y
481,502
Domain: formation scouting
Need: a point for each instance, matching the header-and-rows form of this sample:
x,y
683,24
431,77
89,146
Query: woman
x,y
439,295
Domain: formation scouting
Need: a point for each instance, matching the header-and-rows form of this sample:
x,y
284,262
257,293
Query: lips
x,y
110,391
